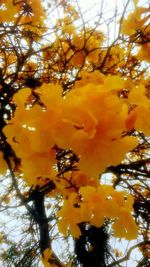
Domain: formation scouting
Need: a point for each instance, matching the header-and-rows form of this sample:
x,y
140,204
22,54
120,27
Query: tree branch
x,y
126,257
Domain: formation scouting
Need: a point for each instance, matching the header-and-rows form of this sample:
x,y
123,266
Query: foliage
x,y
75,110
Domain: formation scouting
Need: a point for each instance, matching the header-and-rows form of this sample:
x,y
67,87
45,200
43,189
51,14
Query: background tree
x,y
74,133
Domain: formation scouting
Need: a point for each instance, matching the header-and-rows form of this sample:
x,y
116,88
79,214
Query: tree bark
x,y
41,219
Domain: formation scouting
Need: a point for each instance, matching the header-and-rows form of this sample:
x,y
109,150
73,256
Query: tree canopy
x,y
74,133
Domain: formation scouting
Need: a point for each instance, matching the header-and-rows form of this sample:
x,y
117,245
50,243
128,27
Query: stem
x,y
42,221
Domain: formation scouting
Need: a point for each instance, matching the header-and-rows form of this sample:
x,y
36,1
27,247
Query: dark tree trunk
x,y
92,247
42,221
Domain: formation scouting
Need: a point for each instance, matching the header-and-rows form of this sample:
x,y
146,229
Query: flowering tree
x,y
74,132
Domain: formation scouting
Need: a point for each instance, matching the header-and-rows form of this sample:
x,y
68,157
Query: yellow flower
x,y
3,164
135,21
144,52
47,258
125,226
